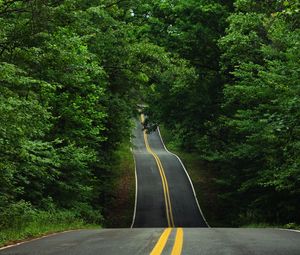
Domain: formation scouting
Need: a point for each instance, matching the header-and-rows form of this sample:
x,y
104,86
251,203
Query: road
x,y
172,206
202,241
167,219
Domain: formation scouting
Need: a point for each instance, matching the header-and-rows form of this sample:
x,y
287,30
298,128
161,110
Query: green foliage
x,y
21,220
191,88
119,210
222,75
258,130
235,99
71,73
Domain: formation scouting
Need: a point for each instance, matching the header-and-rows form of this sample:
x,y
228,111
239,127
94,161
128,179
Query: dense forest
x,y
222,76
239,108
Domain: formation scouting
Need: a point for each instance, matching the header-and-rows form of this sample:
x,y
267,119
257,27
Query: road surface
x,y
167,219
202,241
154,203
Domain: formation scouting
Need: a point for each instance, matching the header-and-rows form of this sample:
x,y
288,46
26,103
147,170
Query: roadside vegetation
x,y
22,222
238,110
204,177
119,211
71,75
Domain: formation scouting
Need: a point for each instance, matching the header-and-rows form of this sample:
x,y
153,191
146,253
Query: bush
x,y
21,220
16,215
88,214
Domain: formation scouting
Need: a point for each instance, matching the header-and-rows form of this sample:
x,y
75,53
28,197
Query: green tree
x,y
255,139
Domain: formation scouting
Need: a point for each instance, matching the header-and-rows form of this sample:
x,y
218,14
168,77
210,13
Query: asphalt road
x,y
200,241
151,208
165,203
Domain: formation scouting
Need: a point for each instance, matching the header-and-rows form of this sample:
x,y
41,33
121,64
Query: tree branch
x,y
115,3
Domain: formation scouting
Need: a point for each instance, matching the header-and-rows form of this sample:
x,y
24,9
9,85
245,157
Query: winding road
x,y
167,219
165,195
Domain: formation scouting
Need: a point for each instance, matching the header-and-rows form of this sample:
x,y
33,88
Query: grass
x,y
120,210
41,223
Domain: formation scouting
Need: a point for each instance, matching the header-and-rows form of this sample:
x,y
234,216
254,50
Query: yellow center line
x,y
157,250
177,248
168,194
168,204
161,243
163,183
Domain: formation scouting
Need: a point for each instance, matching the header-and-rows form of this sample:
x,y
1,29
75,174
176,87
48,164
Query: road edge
x,y
189,178
290,230
38,238
136,190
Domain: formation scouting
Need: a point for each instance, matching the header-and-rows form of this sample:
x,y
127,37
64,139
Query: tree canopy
x,y
241,113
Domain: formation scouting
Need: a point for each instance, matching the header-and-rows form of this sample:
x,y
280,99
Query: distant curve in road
x,y
165,196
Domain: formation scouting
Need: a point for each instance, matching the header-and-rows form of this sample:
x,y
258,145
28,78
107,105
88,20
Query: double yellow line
x,y
169,212
177,247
